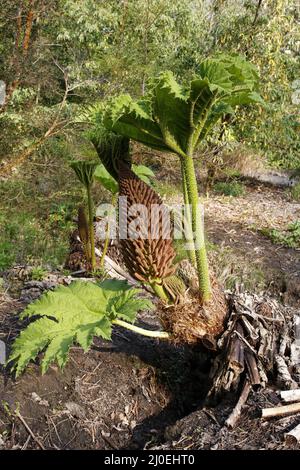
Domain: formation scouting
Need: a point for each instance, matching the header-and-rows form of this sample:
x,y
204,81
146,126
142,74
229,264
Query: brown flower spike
x,y
148,253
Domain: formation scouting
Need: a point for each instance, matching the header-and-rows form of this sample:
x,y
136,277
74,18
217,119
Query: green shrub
x,y
25,239
233,188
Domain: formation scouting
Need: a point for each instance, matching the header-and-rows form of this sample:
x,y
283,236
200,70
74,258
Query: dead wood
x,y
283,374
257,341
289,396
281,410
293,437
236,412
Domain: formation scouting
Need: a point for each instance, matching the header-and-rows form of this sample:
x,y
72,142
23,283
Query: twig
x,y
281,410
236,412
18,415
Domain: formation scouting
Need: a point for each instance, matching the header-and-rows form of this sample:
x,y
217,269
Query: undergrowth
x,y
289,237
295,192
231,188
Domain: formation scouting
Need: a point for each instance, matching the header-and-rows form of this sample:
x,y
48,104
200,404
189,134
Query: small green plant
x,y
295,192
289,237
76,313
232,188
85,173
38,273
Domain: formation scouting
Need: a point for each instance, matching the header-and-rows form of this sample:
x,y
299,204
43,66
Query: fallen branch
x,y
293,437
236,412
290,395
281,411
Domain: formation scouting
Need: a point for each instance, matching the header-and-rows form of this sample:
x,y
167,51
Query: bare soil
x,y
137,393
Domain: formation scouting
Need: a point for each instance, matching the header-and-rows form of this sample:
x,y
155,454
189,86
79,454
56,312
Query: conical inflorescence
x,y
146,234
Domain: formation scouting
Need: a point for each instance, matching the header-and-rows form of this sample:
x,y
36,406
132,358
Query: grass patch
x,y
295,192
232,269
25,239
289,237
167,190
231,188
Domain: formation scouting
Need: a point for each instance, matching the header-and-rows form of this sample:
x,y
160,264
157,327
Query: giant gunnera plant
x,y
177,118
171,118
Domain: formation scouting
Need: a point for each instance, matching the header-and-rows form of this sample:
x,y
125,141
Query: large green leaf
x,y
175,117
144,173
71,314
133,120
109,183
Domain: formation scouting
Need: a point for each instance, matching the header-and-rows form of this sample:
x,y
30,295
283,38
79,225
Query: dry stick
x,y
18,415
281,410
293,437
290,395
236,412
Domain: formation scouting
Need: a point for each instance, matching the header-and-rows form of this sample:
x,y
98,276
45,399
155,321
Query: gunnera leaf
x,y
71,314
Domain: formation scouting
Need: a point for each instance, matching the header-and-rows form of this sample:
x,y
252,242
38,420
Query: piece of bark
x,y
236,354
290,395
236,412
281,410
293,437
252,368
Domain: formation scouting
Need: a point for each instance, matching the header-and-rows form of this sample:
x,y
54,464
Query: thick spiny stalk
x,y
198,229
188,234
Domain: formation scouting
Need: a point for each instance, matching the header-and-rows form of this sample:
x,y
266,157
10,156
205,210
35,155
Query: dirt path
x,y
234,225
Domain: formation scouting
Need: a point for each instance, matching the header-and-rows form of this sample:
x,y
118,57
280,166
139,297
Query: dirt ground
x,y
234,224
137,393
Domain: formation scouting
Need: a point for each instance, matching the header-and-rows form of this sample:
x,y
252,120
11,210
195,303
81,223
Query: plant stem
x,y
159,290
91,227
198,229
106,243
142,331
188,234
